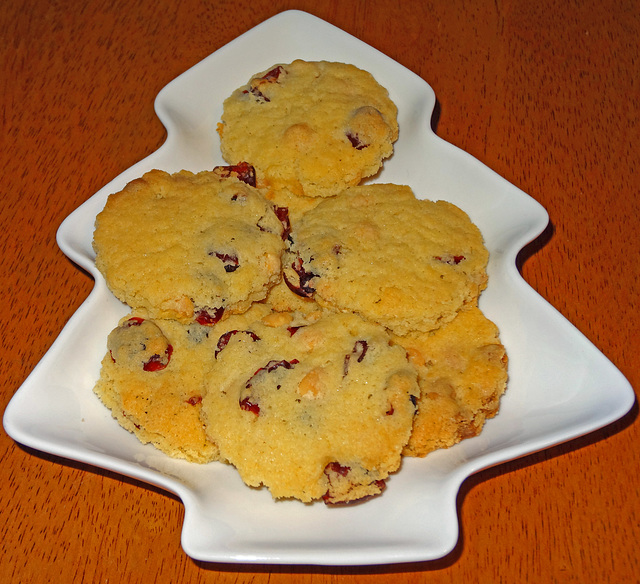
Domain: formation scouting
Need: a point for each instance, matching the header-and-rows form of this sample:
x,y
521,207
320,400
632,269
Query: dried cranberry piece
x,y
229,260
248,406
243,171
269,77
194,400
452,260
293,329
356,142
205,316
226,337
282,213
359,350
271,366
246,403
337,468
157,362
303,288
274,74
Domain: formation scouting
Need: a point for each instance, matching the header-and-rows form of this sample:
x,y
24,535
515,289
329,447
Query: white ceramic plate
x,y
560,385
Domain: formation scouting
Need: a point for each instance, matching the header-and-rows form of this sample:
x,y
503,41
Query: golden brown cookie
x,y
152,381
189,246
376,250
312,127
463,374
312,409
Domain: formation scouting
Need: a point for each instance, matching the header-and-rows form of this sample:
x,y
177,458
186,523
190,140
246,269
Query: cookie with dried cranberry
x,y
152,381
314,127
376,250
312,408
189,246
463,374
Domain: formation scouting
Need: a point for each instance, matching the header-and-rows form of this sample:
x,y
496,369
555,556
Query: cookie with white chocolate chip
x,y
189,246
152,381
376,250
462,374
312,407
313,127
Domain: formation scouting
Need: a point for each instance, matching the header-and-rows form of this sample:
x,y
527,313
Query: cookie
x,y
463,374
189,246
376,250
152,381
312,408
312,127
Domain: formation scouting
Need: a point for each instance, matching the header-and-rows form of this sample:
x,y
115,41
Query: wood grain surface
x,y
546,93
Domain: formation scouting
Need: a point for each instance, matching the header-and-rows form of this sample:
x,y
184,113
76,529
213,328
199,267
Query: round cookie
x,y
314,127
317,409
376,250
189,246
152,381
462,374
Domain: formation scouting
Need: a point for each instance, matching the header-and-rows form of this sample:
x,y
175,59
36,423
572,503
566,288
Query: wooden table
x,y
546,93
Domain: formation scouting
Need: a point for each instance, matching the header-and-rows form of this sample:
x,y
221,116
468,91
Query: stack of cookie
x,y
286,318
